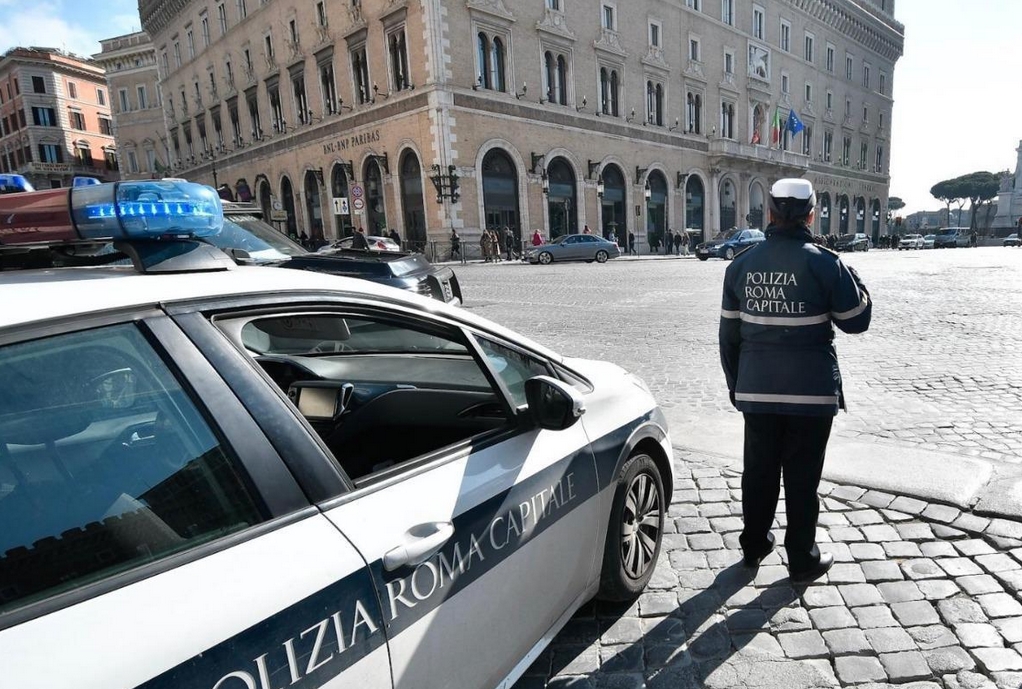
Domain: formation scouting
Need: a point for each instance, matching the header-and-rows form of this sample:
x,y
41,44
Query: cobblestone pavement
x,y
921,595
939,368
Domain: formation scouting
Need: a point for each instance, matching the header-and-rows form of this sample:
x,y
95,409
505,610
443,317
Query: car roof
x,y
35,296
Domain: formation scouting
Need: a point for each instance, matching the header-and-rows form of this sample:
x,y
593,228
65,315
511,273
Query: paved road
x,y
934,390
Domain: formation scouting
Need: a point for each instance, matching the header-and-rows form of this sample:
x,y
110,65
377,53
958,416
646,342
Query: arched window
x,y
650,101
288,199
824,213
659,110
498,59
313,209
412,202
614,215
500,192
550,76
694,204
615,90
727,121
483,59
604,91
562,80
562,204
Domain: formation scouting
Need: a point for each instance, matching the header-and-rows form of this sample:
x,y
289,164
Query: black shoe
x,y
818,570
753,559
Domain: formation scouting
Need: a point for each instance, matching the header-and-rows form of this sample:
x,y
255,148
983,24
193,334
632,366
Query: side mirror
x,y
553,405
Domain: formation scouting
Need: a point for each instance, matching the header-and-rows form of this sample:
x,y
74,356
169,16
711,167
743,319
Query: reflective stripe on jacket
x,y
782,298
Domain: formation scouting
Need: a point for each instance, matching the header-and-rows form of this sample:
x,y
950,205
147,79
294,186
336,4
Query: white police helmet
x,y
792,199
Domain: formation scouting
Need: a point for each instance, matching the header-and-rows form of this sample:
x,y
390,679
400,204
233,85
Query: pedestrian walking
x,y
495,245
973,239
537,239
677,243
631,243
509,244
455,245
395,237
359,241
484,245
669,243
781,299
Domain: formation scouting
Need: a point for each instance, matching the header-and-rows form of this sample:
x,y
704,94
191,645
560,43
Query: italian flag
x,y
775,128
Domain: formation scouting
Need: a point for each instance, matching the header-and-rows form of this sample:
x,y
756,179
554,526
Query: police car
x,y
231,477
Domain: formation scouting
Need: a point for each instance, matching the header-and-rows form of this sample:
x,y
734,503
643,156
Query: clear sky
x,y
957,90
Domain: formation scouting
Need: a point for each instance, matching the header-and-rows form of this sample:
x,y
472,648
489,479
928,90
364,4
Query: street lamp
x,y
545,180
600,188
647,192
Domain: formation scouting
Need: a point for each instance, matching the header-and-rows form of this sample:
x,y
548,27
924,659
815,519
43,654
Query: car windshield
x,y
726,234
559,240
263,243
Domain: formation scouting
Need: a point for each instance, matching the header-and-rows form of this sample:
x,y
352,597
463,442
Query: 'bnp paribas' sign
x,y
353,141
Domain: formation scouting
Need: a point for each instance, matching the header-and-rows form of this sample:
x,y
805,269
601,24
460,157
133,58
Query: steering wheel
x,y
331,346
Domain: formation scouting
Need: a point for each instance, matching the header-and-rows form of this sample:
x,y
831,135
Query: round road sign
x,y
356,191
358,203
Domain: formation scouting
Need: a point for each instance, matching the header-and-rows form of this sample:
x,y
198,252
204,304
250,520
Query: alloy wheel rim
x,y
640,530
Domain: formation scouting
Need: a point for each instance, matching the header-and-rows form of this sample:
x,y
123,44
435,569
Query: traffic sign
x,y
356,191
340,205
358,203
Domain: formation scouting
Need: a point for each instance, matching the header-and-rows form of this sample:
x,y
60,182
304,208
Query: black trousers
x,y
794,446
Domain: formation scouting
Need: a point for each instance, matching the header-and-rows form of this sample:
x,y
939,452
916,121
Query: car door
x,y
569,249
478,527
152,535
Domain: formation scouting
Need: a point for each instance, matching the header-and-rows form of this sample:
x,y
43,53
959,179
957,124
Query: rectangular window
x,y
106,126
830,100
729,62
101,96
807,141
810,48
848,67
221,16
865,115
828,146
123,101
758,21
44,117
654,34
554,5
328,88
190,42
784,83
360,75
143,97
883,83
880,120
132,162
846,151
268,47
292,29
321,14
830,58
609,22
727,12
77,121
865,75
150,508
165,61
863,155
301,102
72,90
785,38
697,5
150,160
242,9
177,54
397,52
809,93
848,107
879,163
38,85
694,52
51,153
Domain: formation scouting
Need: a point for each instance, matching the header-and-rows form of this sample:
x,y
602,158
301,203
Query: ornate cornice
x,y
157,14
862,23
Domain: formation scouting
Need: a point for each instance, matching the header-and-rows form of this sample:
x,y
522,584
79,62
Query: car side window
x,y
513,367
106,464
380,393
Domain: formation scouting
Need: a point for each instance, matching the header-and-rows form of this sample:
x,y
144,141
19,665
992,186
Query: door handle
x,y
421,542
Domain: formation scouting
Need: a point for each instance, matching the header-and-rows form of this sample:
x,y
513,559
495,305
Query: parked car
x,y
250,240
231,476
375,244
729,243
1011,240
911,241
928,241
574,247
852,242
950,237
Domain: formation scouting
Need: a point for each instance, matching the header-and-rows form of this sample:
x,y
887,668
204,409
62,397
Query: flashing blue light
x,y
85,181
146,209
14,184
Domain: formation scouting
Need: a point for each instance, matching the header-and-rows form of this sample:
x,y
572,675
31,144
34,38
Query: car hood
x,y
351,263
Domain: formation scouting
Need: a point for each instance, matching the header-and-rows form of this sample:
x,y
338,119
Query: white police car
x,y
247,478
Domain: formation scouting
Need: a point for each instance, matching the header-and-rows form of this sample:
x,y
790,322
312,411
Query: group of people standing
x,y
496,240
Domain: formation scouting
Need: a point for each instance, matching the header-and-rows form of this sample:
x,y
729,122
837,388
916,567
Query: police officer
x,y
782,298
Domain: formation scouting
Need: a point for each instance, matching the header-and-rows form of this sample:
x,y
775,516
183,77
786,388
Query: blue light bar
x,y
85,181
14,184
146,210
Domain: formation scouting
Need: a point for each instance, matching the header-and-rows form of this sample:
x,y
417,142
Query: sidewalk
x,y
923,595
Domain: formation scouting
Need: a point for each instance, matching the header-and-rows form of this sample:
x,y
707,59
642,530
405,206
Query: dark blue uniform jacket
x,y
782,298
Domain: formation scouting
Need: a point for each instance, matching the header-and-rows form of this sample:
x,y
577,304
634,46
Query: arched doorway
x,y
339,189
656,207
265,197
376,210
728,205
695,214
562,204
615,217
874,211
313,207
757,200
287,197
500,192
412,202
860,215
824,213
842,209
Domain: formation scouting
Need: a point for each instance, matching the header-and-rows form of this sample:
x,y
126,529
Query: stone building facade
x,y
55,118
1009,198
629,117
129,62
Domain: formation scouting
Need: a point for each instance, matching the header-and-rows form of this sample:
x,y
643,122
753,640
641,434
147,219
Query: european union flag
x,y
794,124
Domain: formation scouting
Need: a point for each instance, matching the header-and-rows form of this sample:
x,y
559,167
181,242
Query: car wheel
x,y
635,531
729,254
546,258
601,256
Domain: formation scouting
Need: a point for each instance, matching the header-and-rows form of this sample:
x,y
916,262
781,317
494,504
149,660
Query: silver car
x,y
574,247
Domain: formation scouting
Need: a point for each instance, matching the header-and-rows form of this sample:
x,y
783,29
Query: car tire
x,y
601,256
546,258
635,532
729,254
